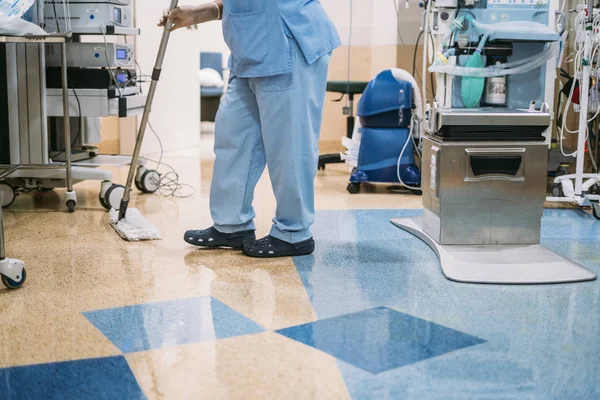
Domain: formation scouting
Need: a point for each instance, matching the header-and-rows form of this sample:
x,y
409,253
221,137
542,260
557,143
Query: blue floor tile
x,y
159,325
95,379
541,341
380,339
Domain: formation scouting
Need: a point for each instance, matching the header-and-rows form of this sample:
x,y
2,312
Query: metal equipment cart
x,y
71,197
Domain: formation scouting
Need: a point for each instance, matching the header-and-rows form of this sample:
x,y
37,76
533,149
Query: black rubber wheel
x,y
9,283
556,190
416,192
108,195
353,188
150,182
71,205
138,186
562,171
596,210
102,202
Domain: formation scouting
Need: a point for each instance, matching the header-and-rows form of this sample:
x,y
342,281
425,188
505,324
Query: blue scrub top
x,y
257,32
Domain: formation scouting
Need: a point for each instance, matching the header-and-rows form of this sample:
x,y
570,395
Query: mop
x,y
129,223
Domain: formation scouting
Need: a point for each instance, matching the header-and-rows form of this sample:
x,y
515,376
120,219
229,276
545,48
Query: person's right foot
x,y
212,238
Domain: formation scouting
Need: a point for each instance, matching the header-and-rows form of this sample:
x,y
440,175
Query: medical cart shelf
x,y
62,39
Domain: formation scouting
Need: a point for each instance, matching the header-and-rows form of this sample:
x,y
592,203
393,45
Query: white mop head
x,y
134,227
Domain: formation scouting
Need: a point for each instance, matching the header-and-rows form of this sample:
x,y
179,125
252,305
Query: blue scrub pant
x,y
273,121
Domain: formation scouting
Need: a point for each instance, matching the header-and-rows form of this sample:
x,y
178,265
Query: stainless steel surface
x,y
92,55
491,116
8,169
42,100
35,39
517,151
79,16
493,209
66,124
13,103
27,118
505,265
147,109
34,96
95,102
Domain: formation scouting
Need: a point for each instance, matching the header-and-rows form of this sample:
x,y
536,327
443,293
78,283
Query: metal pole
x,y
10,169
584,100
66,119
2,253
147,109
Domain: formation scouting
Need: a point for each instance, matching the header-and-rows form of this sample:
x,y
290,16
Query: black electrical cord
x,y
55,16
79,119
414,69
169,185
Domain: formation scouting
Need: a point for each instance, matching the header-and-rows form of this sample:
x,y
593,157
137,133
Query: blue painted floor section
x,y
160,325
380,339
541,342
99,379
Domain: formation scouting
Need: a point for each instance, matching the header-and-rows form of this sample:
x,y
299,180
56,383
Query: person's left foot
x,y
271,247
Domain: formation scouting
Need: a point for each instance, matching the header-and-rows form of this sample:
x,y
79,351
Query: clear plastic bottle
x,y
12,8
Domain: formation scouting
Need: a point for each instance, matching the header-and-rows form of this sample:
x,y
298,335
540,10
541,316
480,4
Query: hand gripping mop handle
x,y
147,109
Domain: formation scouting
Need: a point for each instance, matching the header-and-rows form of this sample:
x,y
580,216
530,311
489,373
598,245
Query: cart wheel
x,y
138,185
556,190
149,182
416,192
71,204
9,283
564,170
353,187
102,202
596,210
113,196
7,195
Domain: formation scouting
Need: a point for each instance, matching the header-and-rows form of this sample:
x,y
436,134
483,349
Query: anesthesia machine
x,y
485,150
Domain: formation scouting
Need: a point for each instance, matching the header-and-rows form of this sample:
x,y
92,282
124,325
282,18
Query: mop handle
x,y
147,109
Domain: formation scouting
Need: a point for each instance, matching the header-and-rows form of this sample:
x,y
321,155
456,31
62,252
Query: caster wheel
x,y
45,190
9,283
416,192
562,171
556,191
138,185
7,195
596,210
353,188
71,204
149,182
113,197
102,202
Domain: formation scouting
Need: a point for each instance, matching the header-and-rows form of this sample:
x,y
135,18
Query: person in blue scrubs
x,y
270,116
